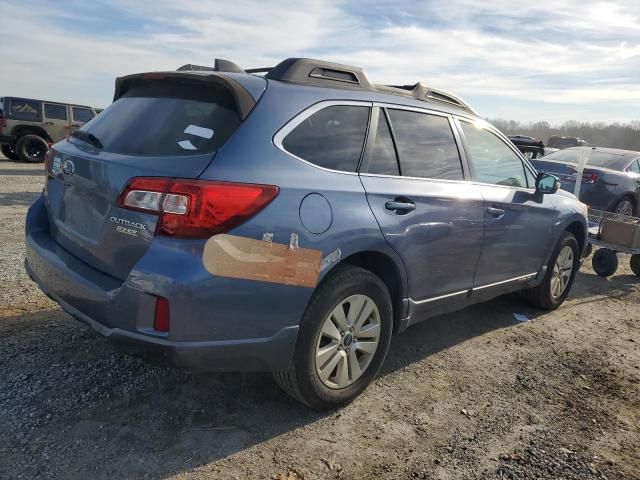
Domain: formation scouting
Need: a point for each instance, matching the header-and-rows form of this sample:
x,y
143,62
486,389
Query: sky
x,y
525,61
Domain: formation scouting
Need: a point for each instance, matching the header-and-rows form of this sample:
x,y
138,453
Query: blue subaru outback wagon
x,y
291,221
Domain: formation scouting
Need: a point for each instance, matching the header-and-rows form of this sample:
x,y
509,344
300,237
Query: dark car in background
x,y
531,147
610,180
28,126
558,142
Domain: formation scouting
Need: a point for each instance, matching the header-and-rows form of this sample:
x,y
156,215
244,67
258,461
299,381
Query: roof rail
x,y
422,91
320,73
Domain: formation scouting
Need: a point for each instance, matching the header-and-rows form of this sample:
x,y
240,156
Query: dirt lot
x,y
469,395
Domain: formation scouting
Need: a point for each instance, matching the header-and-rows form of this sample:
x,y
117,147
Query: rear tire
x,y
635,264
626,206
547,295
605,262
31,148
320,331
9,152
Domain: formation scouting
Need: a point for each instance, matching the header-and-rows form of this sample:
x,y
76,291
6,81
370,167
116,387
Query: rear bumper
x,y
7,139
123,313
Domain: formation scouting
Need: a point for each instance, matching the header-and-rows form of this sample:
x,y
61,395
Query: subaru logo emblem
x,y
68,167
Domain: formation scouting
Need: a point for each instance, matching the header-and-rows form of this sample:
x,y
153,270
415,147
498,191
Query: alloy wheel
x,y
562,270
625,207
348,341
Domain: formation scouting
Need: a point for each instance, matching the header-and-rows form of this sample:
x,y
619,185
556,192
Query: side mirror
x,y
546,183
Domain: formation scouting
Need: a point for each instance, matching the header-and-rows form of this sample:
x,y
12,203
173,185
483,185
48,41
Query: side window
x,y
55,112
494,161
82,114
531,179
426,145
382,157
634,167
331,138
24,110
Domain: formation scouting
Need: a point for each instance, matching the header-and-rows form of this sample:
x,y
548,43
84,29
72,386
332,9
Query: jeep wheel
x,y
343,340
31,148
561,271
9,152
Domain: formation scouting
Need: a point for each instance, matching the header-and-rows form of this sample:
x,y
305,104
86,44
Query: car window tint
x,y
426,145
82,114
24,110
382,157
331,138
494,161
167,118
55,112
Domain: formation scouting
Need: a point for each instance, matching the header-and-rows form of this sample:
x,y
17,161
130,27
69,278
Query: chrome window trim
x,y
280,135
471,290
404,177
487,126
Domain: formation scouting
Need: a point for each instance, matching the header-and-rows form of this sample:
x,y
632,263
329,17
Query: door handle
x,y
495,212
400,206
48,123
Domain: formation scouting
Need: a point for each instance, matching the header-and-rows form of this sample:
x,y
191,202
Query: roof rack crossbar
x,y
258,70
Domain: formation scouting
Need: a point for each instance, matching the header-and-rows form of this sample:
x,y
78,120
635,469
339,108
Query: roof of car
x,y
319,73
612,158
45,101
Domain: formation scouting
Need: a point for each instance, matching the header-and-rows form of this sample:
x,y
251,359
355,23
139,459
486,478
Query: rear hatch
x,y
158,126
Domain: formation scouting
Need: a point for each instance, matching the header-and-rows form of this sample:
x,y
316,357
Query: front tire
x,y
561,272
31,148
343,340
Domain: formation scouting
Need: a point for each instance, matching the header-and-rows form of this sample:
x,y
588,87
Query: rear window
x,y
26,110
167,119
426,145
331,138
596,159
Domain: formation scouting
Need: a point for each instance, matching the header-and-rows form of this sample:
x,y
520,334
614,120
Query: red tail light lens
x,y
161,315
589,178
195,208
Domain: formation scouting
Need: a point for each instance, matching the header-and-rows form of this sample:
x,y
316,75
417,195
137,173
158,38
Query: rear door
x,y
414,179
158,129
518,222
56,120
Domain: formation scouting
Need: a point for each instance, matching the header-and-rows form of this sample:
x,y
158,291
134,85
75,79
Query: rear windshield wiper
x,y
87,137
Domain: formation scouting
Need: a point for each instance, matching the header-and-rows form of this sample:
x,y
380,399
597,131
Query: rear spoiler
x,y
243,99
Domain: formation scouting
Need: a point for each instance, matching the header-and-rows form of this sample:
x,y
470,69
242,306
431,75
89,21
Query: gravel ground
x,y
468,395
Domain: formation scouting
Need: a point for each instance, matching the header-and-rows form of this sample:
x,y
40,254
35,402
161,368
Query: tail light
x,y
3,122
161,315
589,177
195,208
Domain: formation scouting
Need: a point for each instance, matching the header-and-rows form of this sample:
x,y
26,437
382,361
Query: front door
x,y
415,184
56,121
518,222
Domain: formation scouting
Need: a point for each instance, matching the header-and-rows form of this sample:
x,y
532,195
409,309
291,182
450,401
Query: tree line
x,y
616,135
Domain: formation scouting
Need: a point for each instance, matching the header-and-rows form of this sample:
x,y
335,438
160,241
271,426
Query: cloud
x,y
531,61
